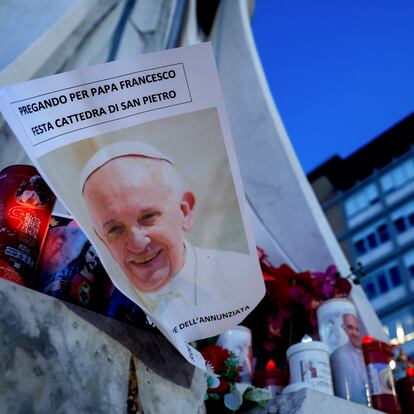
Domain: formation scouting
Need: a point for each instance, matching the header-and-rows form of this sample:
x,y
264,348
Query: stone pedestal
x,y
309,401
59,358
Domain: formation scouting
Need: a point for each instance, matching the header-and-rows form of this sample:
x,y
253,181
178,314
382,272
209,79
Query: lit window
x,y
403,317
408,168
351,208
362,199
398,177
387,183
371,194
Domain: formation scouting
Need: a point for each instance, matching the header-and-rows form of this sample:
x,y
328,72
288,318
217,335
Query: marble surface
x,y
59,358
309,401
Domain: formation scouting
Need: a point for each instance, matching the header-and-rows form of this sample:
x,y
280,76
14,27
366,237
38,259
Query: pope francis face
x,y
351,328
141,213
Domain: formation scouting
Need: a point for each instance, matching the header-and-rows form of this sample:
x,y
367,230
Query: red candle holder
x,y
377,356
271,378
26,204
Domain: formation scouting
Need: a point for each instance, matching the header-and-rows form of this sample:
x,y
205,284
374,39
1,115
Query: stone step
x,y
59,358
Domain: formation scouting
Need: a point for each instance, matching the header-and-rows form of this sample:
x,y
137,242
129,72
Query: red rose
x,y
217,357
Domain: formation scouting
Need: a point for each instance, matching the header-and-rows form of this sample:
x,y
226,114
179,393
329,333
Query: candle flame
x,y
367,339
306,339
270,366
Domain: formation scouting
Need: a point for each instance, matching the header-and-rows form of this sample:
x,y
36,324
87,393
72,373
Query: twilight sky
x,y
340,72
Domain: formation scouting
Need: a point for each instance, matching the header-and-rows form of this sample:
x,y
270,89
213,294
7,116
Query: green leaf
x,y
263,404
213,396
257,395
242,387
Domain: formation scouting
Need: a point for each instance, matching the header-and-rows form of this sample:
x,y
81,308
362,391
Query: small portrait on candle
x,y
331,325
308,370
386,381
34,192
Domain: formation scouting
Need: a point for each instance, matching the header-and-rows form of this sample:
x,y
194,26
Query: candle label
x,y
316,372
381,380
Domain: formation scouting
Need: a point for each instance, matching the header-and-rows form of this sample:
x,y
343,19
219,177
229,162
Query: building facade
x,y
368,199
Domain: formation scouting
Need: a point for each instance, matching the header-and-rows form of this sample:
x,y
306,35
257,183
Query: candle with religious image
x,y
239,341
69,267
377,356
309,365
340,329
26,204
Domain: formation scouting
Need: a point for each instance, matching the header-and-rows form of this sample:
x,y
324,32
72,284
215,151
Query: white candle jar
x,y
239,341
309,363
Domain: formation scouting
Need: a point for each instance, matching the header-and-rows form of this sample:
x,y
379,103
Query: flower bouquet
x,y
288,310
225,392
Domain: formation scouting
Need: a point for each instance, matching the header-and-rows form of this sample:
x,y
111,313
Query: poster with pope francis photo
x,y
140,153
